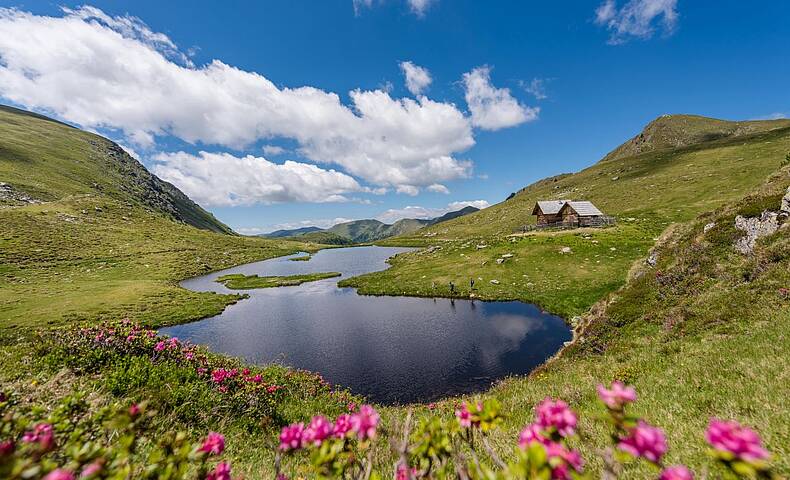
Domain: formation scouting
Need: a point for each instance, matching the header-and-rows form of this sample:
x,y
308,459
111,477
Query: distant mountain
x,y
451,215
363,231
291,233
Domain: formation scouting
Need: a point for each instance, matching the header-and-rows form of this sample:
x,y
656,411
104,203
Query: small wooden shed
x,y
569,214
581,213
548,211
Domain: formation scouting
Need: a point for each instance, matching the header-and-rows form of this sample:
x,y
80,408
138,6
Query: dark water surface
x,y
391,349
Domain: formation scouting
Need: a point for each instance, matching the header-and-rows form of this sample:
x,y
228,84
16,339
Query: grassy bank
x,y
701,333
239,281
647,192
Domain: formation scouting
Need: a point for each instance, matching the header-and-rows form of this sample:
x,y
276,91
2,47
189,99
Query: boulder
x,y
565,250
786,202
708,226
495,282
755,228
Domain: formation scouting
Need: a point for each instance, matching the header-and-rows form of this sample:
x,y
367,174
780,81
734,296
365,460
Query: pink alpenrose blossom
x,y
556,415
342,426
59,474
676,472
733,438
645,441
319,430
365,421
214,444
618,396
532,433
464,415
92,469
291,437
220,472
42,435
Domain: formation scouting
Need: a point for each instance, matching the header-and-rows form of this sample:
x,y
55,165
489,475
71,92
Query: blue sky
x,y
251,109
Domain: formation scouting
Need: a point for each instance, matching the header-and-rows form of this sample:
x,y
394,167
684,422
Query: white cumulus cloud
x,y
417,78
221,179
113,72
493,108
636,18
394,214
438,188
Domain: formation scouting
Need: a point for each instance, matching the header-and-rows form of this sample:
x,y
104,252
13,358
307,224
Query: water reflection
x,y
392,349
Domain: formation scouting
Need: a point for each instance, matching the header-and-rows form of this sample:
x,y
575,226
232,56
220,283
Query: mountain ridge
x,y
70,162
366,230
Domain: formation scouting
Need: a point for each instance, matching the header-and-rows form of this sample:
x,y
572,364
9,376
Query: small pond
x,y
390,349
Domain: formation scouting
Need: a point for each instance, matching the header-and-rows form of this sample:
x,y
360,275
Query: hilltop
x,y
364,231
647,191
86,233
44,160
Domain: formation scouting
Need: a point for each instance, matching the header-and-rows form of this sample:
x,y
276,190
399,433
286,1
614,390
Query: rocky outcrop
x,y
786,202
755,228
9,194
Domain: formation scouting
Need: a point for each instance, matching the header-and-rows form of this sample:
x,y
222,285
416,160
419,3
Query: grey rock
x,y
786,202
500,261
708,226
495,282
755,228
652,259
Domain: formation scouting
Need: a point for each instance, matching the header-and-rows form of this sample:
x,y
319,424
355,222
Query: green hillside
x,y
86,233
647,192
44,160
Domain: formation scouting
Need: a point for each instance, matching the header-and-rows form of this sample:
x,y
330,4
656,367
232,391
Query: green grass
x,y
302,258
239,281
647,192
703,333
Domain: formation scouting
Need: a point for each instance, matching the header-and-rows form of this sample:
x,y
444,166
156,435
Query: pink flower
x,y
221,472
645,441
676,472
618,396
41,434
291,437
159,346
7,447
556,415
562,459
342,426
733,438
464,415
351,407
91,470
405,473
201,371
319,430
189,355
134,410
431,406
214,444
532,433
282,476
257,378
59,474
365,421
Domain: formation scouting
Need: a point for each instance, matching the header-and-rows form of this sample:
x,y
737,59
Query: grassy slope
x,y
108,252
703,333
647,192
238,281
709,339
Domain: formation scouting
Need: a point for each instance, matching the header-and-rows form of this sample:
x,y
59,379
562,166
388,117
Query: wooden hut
x,y
581,214
569,214
548,212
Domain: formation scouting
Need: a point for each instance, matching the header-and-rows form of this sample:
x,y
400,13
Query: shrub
x,y
459,448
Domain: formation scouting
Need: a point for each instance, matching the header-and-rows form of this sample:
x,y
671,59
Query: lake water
x,y
391,349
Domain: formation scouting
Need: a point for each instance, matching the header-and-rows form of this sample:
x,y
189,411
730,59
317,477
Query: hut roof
x,y
583,208
549,207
